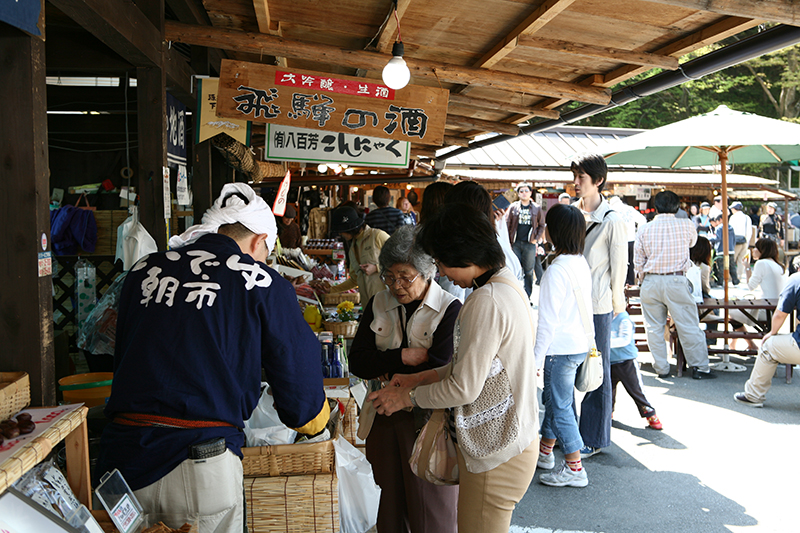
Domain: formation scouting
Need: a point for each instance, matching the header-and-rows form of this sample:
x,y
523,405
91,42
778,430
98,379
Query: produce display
x,y
162,528
13,428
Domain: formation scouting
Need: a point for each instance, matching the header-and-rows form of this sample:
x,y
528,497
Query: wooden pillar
x,y
202,167
151,88
26,300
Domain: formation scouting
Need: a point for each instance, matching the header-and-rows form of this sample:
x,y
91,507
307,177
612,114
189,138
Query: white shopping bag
x,y
359,495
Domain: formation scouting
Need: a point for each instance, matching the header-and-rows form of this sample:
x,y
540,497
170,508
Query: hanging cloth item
x,y
133,241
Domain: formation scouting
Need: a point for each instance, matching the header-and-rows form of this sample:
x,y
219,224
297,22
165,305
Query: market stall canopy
x,y
504,63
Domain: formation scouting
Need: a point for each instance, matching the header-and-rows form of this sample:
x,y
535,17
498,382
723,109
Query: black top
x,y
368,362
484,278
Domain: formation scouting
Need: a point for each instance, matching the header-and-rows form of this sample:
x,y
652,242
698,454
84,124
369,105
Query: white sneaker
x,y
546,462
565,477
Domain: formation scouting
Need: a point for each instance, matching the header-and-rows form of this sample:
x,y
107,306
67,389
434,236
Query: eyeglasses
x,y
390,280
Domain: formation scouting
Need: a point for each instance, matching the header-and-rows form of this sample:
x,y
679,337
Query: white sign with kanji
x,y
289,143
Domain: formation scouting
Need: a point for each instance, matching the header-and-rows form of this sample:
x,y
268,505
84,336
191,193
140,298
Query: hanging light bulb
x,y
396,74
349,171
322,168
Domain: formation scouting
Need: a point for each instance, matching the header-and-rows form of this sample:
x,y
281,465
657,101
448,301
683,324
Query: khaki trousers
x,y
486,500
739,252
778,349
208,489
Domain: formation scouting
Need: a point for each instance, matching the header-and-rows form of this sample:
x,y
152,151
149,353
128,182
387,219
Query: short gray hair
x,y
402,248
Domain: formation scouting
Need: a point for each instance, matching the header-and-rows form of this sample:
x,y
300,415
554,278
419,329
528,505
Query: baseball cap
x,y
737,205
705,204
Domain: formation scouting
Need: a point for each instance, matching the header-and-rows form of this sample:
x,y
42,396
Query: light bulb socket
x,y
397,49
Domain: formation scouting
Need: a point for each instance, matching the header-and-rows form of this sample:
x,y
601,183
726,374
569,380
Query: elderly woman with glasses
x,y
405,329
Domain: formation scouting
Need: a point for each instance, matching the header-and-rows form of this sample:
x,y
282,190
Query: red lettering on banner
x,y
334,85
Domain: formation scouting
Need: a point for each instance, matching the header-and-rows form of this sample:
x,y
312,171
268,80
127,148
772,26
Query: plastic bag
x,y
85,290
264,427
359,495
98,334
589,375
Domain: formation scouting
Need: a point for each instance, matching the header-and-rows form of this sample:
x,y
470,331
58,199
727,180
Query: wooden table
x,y
750,307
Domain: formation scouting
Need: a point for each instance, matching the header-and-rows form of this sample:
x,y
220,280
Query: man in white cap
x,y
742,229
196,326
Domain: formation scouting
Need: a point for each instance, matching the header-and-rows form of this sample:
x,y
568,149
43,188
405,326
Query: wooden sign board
x,y
306,99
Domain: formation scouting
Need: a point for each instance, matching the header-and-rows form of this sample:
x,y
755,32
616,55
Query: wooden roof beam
x,y
265,23
716,32
451,140
613,54
497,105
278,46
482,125
783,11
389,33
532,23
119,25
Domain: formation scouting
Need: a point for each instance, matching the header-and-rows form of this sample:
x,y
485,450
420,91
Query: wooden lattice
x,y
64,285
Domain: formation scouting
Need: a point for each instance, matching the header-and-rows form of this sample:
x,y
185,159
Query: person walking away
x,y
775,349
742,229
525,222
661,258
384,218
625,368
197,324
365,247
719,254
490,384
606,251
562,341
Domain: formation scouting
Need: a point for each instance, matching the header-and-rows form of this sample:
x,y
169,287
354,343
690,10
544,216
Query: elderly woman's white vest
x,y
420,326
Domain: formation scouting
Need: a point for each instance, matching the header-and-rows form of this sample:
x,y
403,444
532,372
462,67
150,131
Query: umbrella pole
x,y
726,365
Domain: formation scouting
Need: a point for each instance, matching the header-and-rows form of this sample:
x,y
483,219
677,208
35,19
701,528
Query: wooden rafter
x,y
451,140
389,32
614,54
783,11
535,21
277,46
265,23
498,105
482,125
716,32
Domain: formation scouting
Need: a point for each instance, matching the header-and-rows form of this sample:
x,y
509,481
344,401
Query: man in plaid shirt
x,y
661,259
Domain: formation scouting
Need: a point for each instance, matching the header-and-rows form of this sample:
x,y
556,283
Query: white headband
x,y
238,202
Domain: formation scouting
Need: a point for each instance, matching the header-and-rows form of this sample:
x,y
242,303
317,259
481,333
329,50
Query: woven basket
x,y
350,420
338,297
297,504
346,329
289,459
15,393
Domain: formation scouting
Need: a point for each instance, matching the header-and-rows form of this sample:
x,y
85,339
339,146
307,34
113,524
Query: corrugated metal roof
x,y
551,148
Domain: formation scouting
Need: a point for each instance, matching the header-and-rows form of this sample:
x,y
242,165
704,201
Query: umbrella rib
x,y
772,153
679,157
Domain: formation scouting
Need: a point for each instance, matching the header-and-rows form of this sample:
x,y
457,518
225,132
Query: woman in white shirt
x,y
768,273
562,341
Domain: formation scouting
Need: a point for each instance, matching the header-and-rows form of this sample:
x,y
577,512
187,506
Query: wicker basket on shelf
x,y
346,329
338,297
15,393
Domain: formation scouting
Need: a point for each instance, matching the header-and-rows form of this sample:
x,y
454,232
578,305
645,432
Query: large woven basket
x,y
15,393
289,459
347,329
350,420
296,504
338,297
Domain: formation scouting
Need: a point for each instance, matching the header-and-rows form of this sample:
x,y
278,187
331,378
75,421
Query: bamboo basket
x,y
289,459
350,420
36,450
338,297
347,329
15,393
297,504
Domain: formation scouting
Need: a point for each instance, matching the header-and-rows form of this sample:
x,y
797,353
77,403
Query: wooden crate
x,y
15,393
292,504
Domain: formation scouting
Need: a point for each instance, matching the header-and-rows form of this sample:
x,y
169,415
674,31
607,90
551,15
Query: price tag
x,y
125,514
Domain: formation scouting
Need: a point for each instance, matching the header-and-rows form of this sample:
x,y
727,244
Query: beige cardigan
x,y
493,323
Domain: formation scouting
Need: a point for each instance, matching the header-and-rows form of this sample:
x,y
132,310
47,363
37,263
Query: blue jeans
x,y
596,407
529,260
559,401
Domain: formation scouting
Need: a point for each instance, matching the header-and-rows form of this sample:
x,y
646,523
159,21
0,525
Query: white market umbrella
x,y
714,138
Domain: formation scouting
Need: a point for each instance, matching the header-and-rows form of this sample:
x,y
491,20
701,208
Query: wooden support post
x,y
26,300
77,446
203,193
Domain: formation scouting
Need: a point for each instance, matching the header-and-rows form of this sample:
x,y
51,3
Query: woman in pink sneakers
x,y
563,341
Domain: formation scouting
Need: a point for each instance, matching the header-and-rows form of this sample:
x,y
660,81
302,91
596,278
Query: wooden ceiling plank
x,y
278,46
498,105
179,78
483,125
389,32
119,25
783,11
541,16
614,54
265,22
714,33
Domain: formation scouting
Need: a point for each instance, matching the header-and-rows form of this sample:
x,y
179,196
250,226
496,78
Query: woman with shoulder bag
x,y
563,339
490,386
406,328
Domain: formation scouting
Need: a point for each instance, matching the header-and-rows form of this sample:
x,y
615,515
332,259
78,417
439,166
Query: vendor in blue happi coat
x,y
196,325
